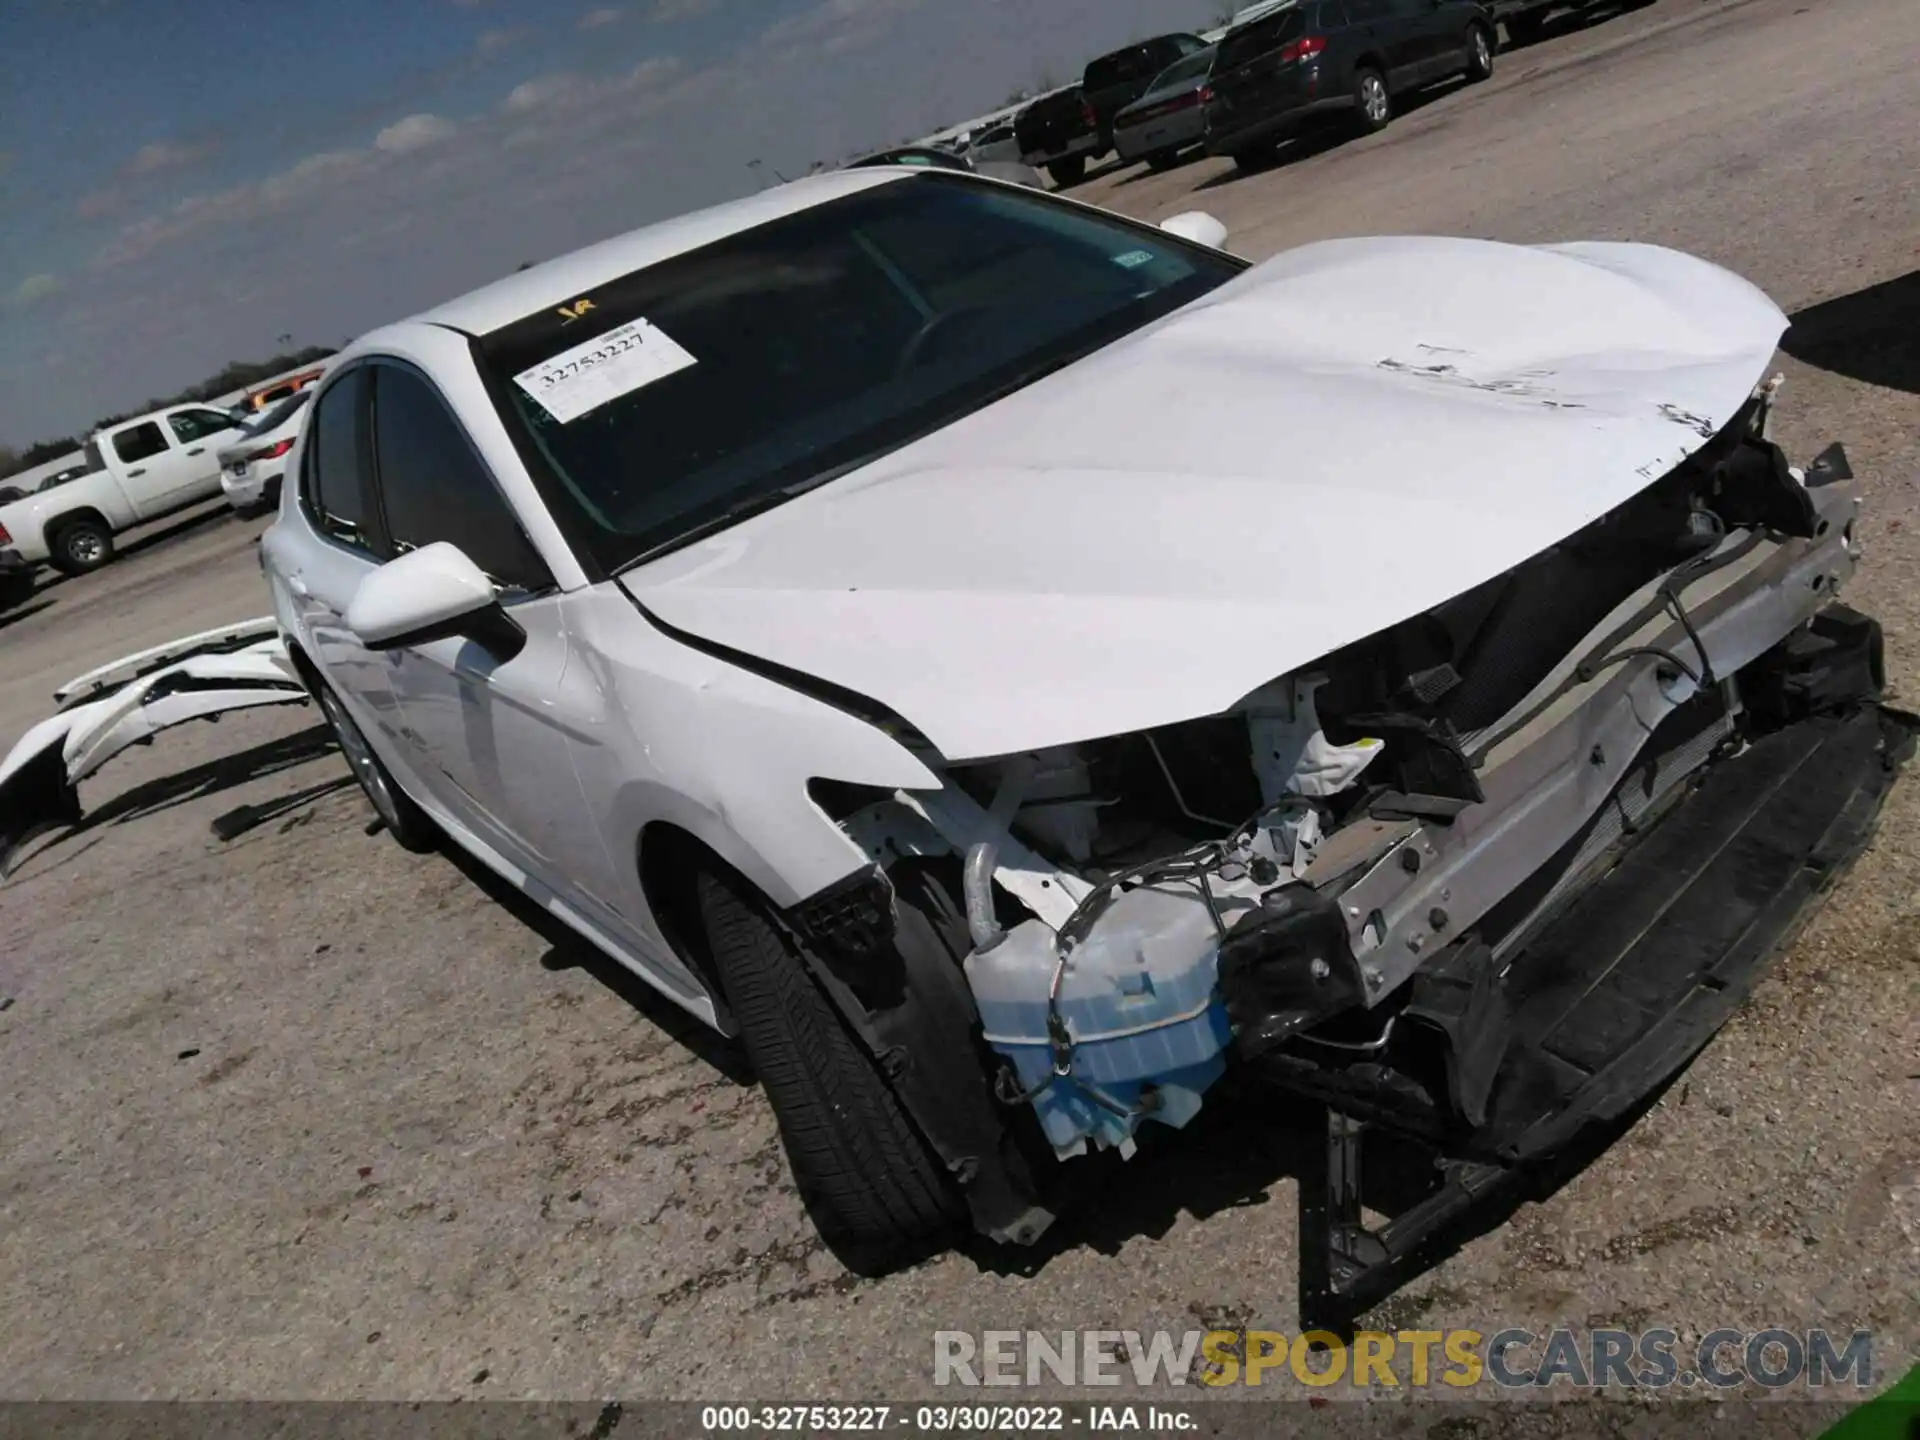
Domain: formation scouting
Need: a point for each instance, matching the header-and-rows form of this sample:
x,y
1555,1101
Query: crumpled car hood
x,y
1335,441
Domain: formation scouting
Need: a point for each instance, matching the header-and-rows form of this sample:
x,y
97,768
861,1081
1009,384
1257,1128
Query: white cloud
x,y
599,19
837,24
33,289
163,155
416,132
540,91
493,42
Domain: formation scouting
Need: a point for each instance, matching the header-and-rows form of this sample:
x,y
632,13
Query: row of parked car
x,y
1280,67
142,469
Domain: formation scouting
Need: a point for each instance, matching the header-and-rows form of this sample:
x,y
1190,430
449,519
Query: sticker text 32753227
x,y
617,363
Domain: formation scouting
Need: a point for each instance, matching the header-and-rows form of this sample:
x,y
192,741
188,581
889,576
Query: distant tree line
x,y
234,375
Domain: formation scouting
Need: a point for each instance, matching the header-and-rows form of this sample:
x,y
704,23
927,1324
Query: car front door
x,y
150,466
336,498
199,435
492,730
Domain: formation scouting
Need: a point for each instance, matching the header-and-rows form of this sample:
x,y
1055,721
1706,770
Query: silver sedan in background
x,y
1170,117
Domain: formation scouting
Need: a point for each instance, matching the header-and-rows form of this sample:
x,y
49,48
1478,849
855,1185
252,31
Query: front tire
x,y
79,546
405,821
1068,172
876,1193
1372,105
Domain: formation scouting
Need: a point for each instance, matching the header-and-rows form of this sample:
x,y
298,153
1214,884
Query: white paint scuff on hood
x,y
1335,441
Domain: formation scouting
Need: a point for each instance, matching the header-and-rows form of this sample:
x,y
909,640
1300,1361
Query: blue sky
x,y
184,181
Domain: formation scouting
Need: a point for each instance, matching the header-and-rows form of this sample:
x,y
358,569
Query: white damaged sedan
x,y
1014,666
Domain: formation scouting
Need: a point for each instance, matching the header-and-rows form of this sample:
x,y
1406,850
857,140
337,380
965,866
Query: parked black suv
x,y
1062,131
1336,57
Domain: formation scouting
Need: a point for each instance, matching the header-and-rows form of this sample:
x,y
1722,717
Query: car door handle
x,y
201,449
298,588
141,471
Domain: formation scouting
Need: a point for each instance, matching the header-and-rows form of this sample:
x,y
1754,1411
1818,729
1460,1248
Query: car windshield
x,y
674,400
276,415
1194,67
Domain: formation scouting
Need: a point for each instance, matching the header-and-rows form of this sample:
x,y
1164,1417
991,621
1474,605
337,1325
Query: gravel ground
x,y
305,1116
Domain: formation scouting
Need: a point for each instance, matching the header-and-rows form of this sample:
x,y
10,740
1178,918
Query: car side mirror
x,y
1199,227
433,593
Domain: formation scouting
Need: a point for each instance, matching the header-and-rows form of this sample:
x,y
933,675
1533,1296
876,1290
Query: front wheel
x,y
1372,106
80,545
1070,171
405,821
1479,55
875,1191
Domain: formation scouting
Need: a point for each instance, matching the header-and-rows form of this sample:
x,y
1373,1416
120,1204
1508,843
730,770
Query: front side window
x,y
139,442
734,376
336,486
433,486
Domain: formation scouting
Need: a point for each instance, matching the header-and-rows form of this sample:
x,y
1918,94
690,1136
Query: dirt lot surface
x,y
303,1115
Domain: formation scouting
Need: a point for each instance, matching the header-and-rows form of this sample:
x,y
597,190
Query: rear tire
x,y
1067,172
1479,54
876,1193
1372,105
410,826
1255,158
79,546
1163,160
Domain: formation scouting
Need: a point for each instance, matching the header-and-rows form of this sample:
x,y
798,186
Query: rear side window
x,y
139,442
433,486
1251,41
336,489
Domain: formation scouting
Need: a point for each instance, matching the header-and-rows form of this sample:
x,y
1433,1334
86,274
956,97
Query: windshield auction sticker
x,y
608,366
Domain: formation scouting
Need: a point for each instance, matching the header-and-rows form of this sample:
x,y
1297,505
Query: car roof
x,y
557,281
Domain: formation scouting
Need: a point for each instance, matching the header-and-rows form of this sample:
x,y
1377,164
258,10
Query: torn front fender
x,y
137,697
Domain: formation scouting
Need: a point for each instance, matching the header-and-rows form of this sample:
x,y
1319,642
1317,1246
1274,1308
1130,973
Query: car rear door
x,y
1393,30
492,731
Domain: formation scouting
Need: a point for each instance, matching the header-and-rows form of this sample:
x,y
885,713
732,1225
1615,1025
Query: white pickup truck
x,y
140,470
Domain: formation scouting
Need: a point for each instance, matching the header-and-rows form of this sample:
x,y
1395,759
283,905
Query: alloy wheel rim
x,y
85,548
1479,50
1376,96
361,760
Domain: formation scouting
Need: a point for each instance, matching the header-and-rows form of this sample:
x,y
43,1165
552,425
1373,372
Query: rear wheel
x,y
1070,171
80,545
1372,106
1163,160
404,820
875,1191
1255,157
1479,54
